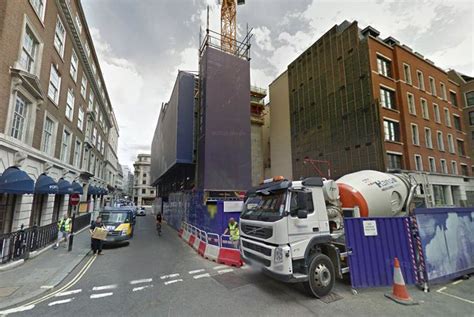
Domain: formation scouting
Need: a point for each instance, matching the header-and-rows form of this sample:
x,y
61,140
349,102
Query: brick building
x,y
362,102
55,114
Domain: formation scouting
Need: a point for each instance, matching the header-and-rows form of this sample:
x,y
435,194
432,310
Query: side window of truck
x,y
301,200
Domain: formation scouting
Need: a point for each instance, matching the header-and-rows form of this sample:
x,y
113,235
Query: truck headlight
x,y
278,255
124,232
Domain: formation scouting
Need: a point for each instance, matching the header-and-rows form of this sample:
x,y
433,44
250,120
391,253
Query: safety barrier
x,y
186,233
181,230
202,243
229,253
213,246
192,237
197,241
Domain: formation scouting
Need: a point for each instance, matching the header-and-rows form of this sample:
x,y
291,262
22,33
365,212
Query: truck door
x,y
303,222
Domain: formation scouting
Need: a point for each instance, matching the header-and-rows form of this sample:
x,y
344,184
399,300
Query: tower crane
x,y
229,24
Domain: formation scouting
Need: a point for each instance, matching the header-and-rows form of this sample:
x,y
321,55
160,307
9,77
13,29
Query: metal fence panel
x,y
371,261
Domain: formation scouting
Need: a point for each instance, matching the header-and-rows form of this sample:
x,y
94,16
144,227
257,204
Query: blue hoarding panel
x,y
375,247
447,238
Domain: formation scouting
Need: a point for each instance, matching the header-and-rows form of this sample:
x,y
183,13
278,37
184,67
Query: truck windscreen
x,y
264,207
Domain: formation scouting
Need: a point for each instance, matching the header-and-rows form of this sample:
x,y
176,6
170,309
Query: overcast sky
x,y
143,43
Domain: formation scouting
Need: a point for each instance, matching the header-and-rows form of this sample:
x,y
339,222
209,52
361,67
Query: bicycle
x,y
158,228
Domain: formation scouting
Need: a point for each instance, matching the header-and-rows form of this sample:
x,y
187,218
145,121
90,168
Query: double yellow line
x,y
76,279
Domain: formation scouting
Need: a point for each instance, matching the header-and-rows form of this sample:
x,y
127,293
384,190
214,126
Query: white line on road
x,y
201,275
101,288
456,282
101,295
196,271
225,271
141,288
245,267
219,267
75,291
16,309
145,280
58,302
47,286
173,281
454,296
169,276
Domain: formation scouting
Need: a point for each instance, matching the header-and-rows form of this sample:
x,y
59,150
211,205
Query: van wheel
x,y
321,277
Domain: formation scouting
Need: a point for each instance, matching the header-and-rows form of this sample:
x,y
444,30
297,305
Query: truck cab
x,y
285,230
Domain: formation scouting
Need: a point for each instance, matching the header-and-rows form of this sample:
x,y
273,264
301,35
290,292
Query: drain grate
x,y
330,298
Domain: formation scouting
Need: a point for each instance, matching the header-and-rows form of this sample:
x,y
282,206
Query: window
x,y
84,85
432,163
78,23
384,66
418,162
424,109
80,119
472,135
94,70
439,196
77,153
436,113
74,63
392,130
88,50
453,99
414,134
19,118
407,73
143,191
411,103
461,150
447,117
432,86
451,143
98,142
65,145
144,182
54,85
394,161
464,170
70,104
440,141
471,117
39,6
29,51
144,174
59,37
444,166
457,122
91,101
470,99
387,98
428,141
48,130
421,80
94,136
454,168
443,91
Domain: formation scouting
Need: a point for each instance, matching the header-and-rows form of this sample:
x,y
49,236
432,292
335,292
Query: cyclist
x,y
158,223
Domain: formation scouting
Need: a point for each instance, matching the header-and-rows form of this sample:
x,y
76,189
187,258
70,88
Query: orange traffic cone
x,y
400,293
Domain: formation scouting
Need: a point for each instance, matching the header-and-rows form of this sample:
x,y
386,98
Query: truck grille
x,y
114,233
256,258
260,232
258,248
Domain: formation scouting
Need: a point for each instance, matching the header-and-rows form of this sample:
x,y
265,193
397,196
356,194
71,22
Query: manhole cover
x,y
230,280
331,297
7,291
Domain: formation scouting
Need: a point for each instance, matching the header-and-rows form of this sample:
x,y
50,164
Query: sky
x,y
141,44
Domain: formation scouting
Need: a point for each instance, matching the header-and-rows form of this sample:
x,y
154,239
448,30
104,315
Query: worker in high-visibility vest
x,y
233,230
64,230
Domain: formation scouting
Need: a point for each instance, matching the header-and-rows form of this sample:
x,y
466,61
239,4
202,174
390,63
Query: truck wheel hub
x,y
322,276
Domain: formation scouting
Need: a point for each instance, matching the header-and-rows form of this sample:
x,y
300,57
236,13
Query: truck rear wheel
x,y
321,276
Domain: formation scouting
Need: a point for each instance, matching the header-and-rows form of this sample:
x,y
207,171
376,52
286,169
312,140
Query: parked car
x,y
141,211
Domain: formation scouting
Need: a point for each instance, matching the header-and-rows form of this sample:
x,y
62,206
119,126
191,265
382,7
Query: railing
x,y
17,245
81,222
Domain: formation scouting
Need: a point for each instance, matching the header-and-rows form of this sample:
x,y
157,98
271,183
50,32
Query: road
x,y
162,276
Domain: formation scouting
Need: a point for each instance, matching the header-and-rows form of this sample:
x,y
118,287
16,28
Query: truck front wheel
x,y
321,276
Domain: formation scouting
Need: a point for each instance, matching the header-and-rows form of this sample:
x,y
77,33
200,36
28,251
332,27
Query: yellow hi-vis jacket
x,y
67,224
234,231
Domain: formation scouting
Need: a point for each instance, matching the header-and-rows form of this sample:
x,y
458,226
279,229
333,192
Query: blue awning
x,y
92,190
64,187
46,185
16,181
77,188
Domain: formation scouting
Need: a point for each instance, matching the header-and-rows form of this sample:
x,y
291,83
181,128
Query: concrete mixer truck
x,y
294,230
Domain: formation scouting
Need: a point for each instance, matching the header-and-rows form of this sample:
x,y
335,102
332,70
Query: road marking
x,y
219,267
225,271
141,288
47,286
101,295
169,276
68,293
16,309
173,281
58,302
201,275
196,271
454,296
456,282
101,288
245,267
145,280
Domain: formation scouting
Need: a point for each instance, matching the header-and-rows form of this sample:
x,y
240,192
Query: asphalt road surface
x,y
162,276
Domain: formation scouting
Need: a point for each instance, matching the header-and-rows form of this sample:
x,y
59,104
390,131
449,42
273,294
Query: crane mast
x,y
229,24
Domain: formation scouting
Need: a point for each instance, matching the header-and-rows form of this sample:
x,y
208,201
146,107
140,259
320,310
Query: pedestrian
x,y
96,244
158,222
64,230
233,230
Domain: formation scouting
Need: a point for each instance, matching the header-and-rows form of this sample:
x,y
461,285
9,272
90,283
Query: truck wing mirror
x,y
302,214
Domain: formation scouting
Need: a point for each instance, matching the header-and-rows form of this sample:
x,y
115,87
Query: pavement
x,y
163,276
43,272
